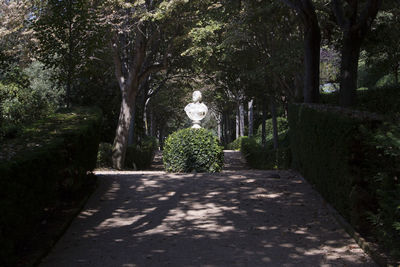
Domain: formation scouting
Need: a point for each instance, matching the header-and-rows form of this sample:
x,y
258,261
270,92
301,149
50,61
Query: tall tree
x,y
16,37
312,44
271,41
142,38
65,30
355,18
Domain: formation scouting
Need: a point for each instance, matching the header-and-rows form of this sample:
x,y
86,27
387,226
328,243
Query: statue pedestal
x,y
196,125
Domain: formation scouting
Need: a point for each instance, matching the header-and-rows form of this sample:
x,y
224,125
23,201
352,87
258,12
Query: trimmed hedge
x,y
190,150
382,100
353,161
326,149
47,162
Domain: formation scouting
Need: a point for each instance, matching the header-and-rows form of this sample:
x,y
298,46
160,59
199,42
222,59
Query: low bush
x,y
352,158
141,155
259,157
267,158
193,150
235,145
47,162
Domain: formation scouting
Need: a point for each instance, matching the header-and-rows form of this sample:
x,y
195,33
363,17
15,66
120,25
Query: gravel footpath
x,y
239,217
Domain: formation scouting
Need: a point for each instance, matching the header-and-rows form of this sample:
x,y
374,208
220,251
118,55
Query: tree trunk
x,y
219,122
152,123
355,23
312,44
132,125
68,91
223,129
349,69
274,123
299,88
250,117
241,118
145,120
264,118
122,133
237,123
161,138
227,128
396,74
70,63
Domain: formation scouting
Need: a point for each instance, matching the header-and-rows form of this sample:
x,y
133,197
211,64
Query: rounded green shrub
x,y
193,150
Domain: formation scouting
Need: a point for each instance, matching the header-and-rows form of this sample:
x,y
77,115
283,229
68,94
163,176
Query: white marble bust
x,y
196,111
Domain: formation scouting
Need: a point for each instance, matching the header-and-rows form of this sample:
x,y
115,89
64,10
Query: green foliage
x,y
283,126
27,96
9,131
20,104
190,150
384,161
11,72
382,100
266,158
383,59
138,156
104,155
235,145
49,161
42,80
73,22
141,155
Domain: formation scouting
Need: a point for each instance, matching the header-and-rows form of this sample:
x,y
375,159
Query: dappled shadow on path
x,y
235,218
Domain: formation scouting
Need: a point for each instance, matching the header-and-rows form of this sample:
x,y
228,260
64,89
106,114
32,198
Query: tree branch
x,y
150,70
162,83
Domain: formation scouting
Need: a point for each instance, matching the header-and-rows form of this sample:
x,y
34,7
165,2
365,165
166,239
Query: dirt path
x,y
236,218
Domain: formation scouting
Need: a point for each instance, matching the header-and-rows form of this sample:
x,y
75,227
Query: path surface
x,y
239,217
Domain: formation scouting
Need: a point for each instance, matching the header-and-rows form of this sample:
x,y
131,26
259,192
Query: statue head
x,y
196,96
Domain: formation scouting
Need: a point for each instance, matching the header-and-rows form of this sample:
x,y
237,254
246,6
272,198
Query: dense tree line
x,y
139,60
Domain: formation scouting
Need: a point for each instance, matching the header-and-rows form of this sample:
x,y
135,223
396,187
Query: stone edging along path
x,y
235,218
